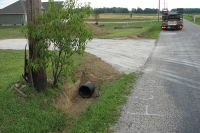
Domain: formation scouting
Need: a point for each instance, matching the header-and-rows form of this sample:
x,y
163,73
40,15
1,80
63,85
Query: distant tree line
x,y
139,10
188,10
152,11
124,10
146,10
191,10
111,10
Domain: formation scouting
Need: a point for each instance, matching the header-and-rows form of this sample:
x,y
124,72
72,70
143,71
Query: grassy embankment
x,y
190,17
38,114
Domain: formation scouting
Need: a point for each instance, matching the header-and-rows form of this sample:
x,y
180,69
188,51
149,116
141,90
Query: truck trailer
x,y
172,19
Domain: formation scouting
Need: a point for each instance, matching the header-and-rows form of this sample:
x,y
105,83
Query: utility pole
x,y
37,78
158,10
164,4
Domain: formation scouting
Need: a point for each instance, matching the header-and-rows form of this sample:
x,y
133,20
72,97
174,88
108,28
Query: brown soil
x,y
94,70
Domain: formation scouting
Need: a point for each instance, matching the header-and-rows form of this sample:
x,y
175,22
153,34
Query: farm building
x,y
15,14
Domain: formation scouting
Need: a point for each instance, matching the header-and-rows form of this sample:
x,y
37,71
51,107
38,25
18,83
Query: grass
x,y
152,32
190,17
149,30
106,111
132,30
38,114
35,114
11,67
10,32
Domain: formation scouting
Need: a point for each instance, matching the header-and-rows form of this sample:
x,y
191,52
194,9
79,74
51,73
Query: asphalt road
x,y
166,98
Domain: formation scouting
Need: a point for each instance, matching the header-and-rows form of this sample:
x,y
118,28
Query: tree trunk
x,y
39,77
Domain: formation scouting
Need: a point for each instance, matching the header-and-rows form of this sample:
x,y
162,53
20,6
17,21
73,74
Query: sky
x,y
129,3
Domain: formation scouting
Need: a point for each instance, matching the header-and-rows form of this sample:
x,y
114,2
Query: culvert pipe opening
x,y
86,90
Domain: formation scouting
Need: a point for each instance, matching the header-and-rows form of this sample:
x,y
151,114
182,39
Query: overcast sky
x,y
129,3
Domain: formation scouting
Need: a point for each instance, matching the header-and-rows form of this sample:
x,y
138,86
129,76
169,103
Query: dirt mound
x,y
94,70
97,30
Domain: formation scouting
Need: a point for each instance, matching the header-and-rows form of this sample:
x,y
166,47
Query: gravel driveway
x,y
126,56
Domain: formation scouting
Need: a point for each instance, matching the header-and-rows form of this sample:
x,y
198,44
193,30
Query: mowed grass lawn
x,y
10,32
134,30
37,114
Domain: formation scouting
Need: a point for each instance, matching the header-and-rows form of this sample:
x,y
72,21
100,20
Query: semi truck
x,y
172,19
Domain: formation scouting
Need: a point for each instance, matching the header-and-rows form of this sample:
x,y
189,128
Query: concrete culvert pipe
x,y
86,90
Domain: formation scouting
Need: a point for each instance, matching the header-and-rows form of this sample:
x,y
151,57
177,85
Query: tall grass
x,y
152,32
35,114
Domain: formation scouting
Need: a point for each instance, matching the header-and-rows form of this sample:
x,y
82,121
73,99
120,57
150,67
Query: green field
x,y
139,26
37,113
147,30
124,17
190,17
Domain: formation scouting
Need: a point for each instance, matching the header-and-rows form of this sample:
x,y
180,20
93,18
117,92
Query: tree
x,y
61,33
139,10
96,15
111,10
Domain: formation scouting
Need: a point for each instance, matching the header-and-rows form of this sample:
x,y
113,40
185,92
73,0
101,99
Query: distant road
x,y
166,98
